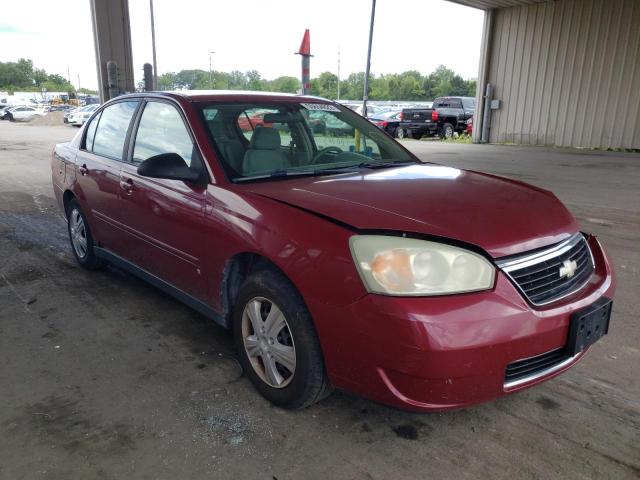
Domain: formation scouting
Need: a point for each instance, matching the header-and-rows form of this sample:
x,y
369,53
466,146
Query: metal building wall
x,y
568,73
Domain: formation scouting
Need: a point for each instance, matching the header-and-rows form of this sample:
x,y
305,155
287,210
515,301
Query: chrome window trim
x,y
542,373
524,261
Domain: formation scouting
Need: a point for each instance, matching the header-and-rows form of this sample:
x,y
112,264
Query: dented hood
x,y
499,215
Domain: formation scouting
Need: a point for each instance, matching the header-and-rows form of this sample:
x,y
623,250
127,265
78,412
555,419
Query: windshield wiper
x,y
375,165
278,174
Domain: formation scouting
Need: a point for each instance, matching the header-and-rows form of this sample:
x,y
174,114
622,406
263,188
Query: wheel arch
x,y
67,196
236,270
452,120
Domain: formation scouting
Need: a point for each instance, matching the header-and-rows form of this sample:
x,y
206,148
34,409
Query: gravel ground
x,y
104,377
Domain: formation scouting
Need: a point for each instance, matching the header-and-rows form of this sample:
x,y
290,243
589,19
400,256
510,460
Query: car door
x,y
163,218
23,112
98,163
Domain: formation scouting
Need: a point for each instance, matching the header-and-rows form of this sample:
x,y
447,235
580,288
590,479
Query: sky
x,y
251,35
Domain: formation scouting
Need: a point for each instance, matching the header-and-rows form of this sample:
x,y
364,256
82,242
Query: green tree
x,y
325,85
167,81
255,81
17,75
284,84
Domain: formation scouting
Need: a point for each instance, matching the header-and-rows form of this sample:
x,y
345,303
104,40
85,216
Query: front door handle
x,y
127,185
83,169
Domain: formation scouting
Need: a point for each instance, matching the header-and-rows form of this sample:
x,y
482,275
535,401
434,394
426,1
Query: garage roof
x,y
496,3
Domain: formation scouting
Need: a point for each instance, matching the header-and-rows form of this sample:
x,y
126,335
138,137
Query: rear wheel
x,y
81,238
447,131
277,343
400,133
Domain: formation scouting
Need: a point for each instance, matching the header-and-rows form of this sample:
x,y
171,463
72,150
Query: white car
x,y
21,113
81,115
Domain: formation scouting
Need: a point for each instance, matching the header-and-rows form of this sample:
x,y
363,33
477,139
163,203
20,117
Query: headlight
x,y
406,266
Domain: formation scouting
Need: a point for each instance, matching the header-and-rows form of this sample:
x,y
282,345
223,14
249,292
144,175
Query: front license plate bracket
x,y
588,326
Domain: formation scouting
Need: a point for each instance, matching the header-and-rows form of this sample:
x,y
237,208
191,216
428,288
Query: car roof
x,y
229,95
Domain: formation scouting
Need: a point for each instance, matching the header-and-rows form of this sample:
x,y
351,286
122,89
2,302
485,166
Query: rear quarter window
x,y
91,132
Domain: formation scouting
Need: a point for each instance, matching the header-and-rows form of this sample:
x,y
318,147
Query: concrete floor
x,y
102,376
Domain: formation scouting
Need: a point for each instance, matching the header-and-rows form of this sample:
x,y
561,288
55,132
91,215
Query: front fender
x,y
311,250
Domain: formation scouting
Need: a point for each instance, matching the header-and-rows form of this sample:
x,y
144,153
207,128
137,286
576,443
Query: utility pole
x,y
78,81
153,46
338,72
365,96
68,74
210,71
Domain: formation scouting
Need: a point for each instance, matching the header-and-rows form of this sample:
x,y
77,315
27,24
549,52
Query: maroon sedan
x,y
337,261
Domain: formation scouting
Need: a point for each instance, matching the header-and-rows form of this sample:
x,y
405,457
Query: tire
x,y
416,135
447,131
79,230
293,341
10,117
400,133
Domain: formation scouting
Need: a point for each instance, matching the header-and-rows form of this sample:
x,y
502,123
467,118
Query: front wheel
x,y
277,342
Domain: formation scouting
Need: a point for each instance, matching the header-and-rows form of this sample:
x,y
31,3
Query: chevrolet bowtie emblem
x,y
568,268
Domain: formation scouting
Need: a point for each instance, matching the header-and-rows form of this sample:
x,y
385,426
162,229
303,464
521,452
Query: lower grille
x,y
553,273
529,367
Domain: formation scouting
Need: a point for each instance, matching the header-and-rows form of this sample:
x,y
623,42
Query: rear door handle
x,y
127,185
83,169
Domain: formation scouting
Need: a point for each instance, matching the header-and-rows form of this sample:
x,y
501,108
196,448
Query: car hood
x,y
499,215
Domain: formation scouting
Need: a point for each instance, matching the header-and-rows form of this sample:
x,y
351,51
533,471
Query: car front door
x,y
163,218
98,164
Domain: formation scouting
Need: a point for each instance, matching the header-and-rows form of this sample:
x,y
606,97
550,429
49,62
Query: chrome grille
x,y
553,273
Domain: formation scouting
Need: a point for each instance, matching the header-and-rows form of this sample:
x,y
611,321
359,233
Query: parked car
x,y
3,108
62,108
447,116
78,117
388,121
372,110
21,113
337,262
70,112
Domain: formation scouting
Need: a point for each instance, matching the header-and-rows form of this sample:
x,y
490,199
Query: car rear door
x,y
98,163
164,218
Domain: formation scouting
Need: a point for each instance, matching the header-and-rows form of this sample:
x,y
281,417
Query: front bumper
x,y
447,352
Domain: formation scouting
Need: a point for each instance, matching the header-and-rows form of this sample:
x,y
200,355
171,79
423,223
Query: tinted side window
x,y
456,104
161,130
469,103
112,129
91,132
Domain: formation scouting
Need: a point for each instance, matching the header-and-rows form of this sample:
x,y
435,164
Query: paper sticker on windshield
x,y
322,107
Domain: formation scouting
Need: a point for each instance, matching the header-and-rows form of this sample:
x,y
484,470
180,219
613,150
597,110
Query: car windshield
x,y
278,140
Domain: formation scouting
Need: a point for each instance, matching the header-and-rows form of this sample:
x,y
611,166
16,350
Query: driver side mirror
x,y
170,166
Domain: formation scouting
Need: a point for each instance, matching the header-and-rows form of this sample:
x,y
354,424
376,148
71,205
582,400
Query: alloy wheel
x,y
268,342
448,132
78,233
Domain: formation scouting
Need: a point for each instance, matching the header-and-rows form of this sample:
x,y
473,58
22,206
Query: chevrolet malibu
x,y
338,260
